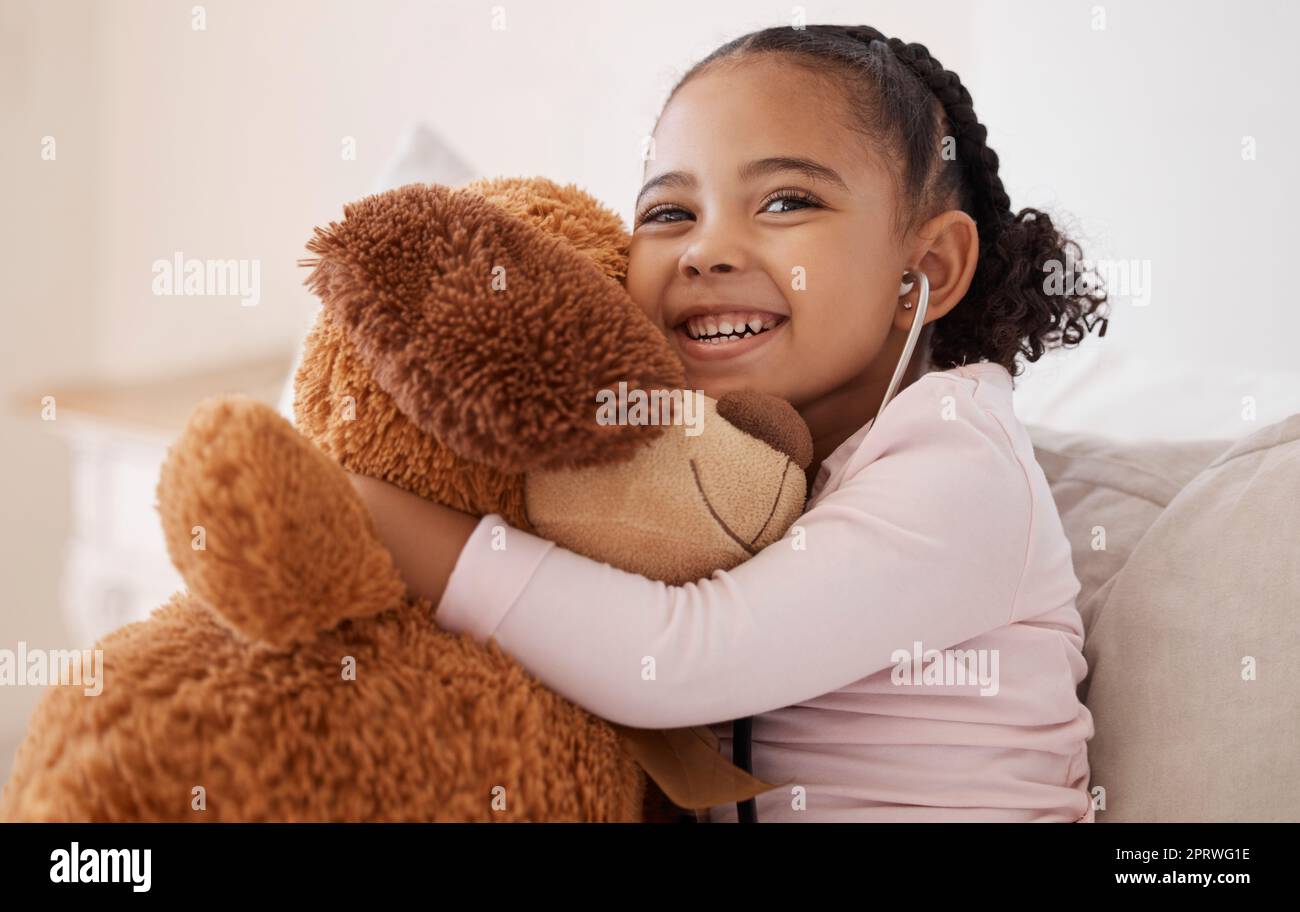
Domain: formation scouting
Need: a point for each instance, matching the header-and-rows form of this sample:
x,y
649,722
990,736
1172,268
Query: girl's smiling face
x,y
765,216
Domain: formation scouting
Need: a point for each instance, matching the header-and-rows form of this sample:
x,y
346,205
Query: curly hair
x,y
908,107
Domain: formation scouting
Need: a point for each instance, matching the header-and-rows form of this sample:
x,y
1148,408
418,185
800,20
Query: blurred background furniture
x,y
116,569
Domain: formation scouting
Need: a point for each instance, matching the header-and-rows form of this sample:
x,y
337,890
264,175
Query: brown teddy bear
x,y
464,337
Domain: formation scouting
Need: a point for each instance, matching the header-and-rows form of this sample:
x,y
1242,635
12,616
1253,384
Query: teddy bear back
x,y
565,211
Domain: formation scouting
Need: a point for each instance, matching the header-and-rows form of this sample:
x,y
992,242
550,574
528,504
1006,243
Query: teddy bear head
x,y
477,347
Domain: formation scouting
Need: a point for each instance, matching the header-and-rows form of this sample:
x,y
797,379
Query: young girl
x,y
802,182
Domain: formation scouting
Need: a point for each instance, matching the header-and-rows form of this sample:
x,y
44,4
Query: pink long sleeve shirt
x,y
910,651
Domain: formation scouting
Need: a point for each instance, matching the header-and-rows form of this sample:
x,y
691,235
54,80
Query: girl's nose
x,y
693,265
714,249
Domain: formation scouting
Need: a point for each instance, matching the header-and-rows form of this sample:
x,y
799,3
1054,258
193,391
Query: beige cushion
x,y
1121,487
1213,578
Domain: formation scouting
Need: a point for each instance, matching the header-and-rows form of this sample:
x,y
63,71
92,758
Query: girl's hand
x,y
424,538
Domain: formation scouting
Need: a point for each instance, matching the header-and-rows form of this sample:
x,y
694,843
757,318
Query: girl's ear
x,y
947,251
490,335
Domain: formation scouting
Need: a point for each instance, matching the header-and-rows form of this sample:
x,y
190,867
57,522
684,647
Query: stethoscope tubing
x,y
742,744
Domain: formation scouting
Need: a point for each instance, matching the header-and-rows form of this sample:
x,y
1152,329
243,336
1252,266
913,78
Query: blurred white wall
x,y
227,142
48,249
1133,118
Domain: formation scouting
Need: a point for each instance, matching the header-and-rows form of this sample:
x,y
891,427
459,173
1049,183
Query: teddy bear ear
x,y
490,334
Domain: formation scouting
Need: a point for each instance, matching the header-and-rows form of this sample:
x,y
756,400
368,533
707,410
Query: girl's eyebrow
x,y
810,169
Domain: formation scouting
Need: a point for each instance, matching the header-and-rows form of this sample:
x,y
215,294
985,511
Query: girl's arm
x,y
925,541
424,538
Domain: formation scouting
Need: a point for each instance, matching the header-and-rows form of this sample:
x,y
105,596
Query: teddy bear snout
x,y
770,419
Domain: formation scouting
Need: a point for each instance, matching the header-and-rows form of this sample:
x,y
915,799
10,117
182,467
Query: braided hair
x,y
907,105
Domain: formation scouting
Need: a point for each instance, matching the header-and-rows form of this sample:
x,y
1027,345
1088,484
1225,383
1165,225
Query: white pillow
x,y
423,157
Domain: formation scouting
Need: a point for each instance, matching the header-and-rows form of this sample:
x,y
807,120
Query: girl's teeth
x,y
716,331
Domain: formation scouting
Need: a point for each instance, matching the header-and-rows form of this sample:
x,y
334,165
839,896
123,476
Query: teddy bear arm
x,y
266,529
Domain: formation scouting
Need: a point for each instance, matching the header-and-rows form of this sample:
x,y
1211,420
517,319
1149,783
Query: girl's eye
x,y
781,196
785,195
654,212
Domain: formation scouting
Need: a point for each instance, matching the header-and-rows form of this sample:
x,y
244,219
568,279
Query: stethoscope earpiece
x,y
917,323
